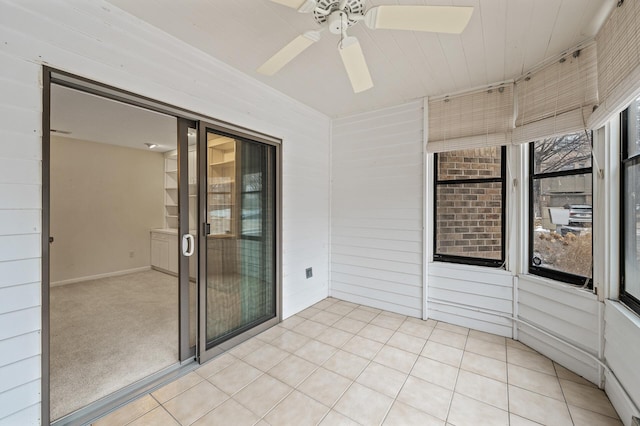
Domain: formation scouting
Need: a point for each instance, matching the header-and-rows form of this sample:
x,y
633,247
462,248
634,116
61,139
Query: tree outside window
x,y
561,208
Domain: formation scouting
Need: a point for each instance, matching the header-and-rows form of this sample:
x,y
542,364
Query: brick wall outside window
x,y
469,215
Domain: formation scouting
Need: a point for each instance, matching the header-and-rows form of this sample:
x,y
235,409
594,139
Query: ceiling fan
x,y
339,15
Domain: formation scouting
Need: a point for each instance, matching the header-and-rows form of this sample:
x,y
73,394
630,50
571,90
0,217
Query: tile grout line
x,y
370,361
295,387
566,403
352,380
395,398
453,392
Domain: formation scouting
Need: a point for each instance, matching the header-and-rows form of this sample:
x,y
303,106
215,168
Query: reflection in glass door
x,y
239,276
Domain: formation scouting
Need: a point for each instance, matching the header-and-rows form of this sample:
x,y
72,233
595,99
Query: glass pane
x,y
562,224
479,163
632,231
567,152
469,220
241,287
633,129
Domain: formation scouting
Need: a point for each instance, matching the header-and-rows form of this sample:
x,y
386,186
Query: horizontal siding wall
x,y
565,312
376,208
483,297
622,352
20,226
100,42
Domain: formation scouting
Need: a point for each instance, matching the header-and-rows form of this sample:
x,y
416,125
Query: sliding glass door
x,y
238,285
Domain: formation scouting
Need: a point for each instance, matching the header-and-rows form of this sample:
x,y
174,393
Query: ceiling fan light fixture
x,y
355,64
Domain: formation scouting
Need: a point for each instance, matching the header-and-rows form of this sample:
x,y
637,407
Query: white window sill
x,y
559,285
469,268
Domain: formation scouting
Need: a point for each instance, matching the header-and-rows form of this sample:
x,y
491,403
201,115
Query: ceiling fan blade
x,y
302,6
355,64
440,19
289,52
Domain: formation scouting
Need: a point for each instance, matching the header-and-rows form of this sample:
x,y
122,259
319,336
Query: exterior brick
x,y
469,215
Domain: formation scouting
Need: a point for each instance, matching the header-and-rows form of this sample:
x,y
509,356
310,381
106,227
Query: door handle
x,y
188,245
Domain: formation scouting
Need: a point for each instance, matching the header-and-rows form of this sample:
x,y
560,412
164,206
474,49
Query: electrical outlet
x,y
309,272
132,254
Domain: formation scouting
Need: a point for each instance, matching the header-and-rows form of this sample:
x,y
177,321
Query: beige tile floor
x,y
339,363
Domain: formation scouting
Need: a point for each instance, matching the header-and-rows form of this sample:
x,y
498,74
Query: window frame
x,y
553,274
625,161
467,260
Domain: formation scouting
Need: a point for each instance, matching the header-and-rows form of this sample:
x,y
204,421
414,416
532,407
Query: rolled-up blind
x,y
472,120
558,98
618,61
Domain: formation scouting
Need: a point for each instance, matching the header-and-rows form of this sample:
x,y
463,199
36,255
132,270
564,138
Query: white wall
x,y
622,352
97,41
104,201
376,209
484,296
566,312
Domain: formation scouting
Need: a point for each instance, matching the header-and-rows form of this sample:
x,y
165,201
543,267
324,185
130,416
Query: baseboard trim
x,y
100,276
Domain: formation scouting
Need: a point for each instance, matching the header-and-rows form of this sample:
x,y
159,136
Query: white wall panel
x,y
19,272
19,347
376,209
14,196
19,322
16,247
20,171
19,297
29,416
622,352
20,145
100,42
19,373
16,222
482,297
11,401
566,312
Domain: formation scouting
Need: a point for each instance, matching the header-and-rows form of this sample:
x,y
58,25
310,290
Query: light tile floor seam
x,y
293,389
395,398
454,386
352,382
316,369
563,395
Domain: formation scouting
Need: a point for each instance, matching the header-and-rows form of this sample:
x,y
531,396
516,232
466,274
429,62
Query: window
x,y
469,206
560,203
630,207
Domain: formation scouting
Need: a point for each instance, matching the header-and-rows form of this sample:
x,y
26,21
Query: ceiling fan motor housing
x,y
338,19
338,22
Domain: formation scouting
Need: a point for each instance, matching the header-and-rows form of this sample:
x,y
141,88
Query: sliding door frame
x,y
205,354
187,354
186,351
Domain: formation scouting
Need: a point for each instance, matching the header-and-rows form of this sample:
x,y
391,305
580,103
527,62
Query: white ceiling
x,y
97,119
503,39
